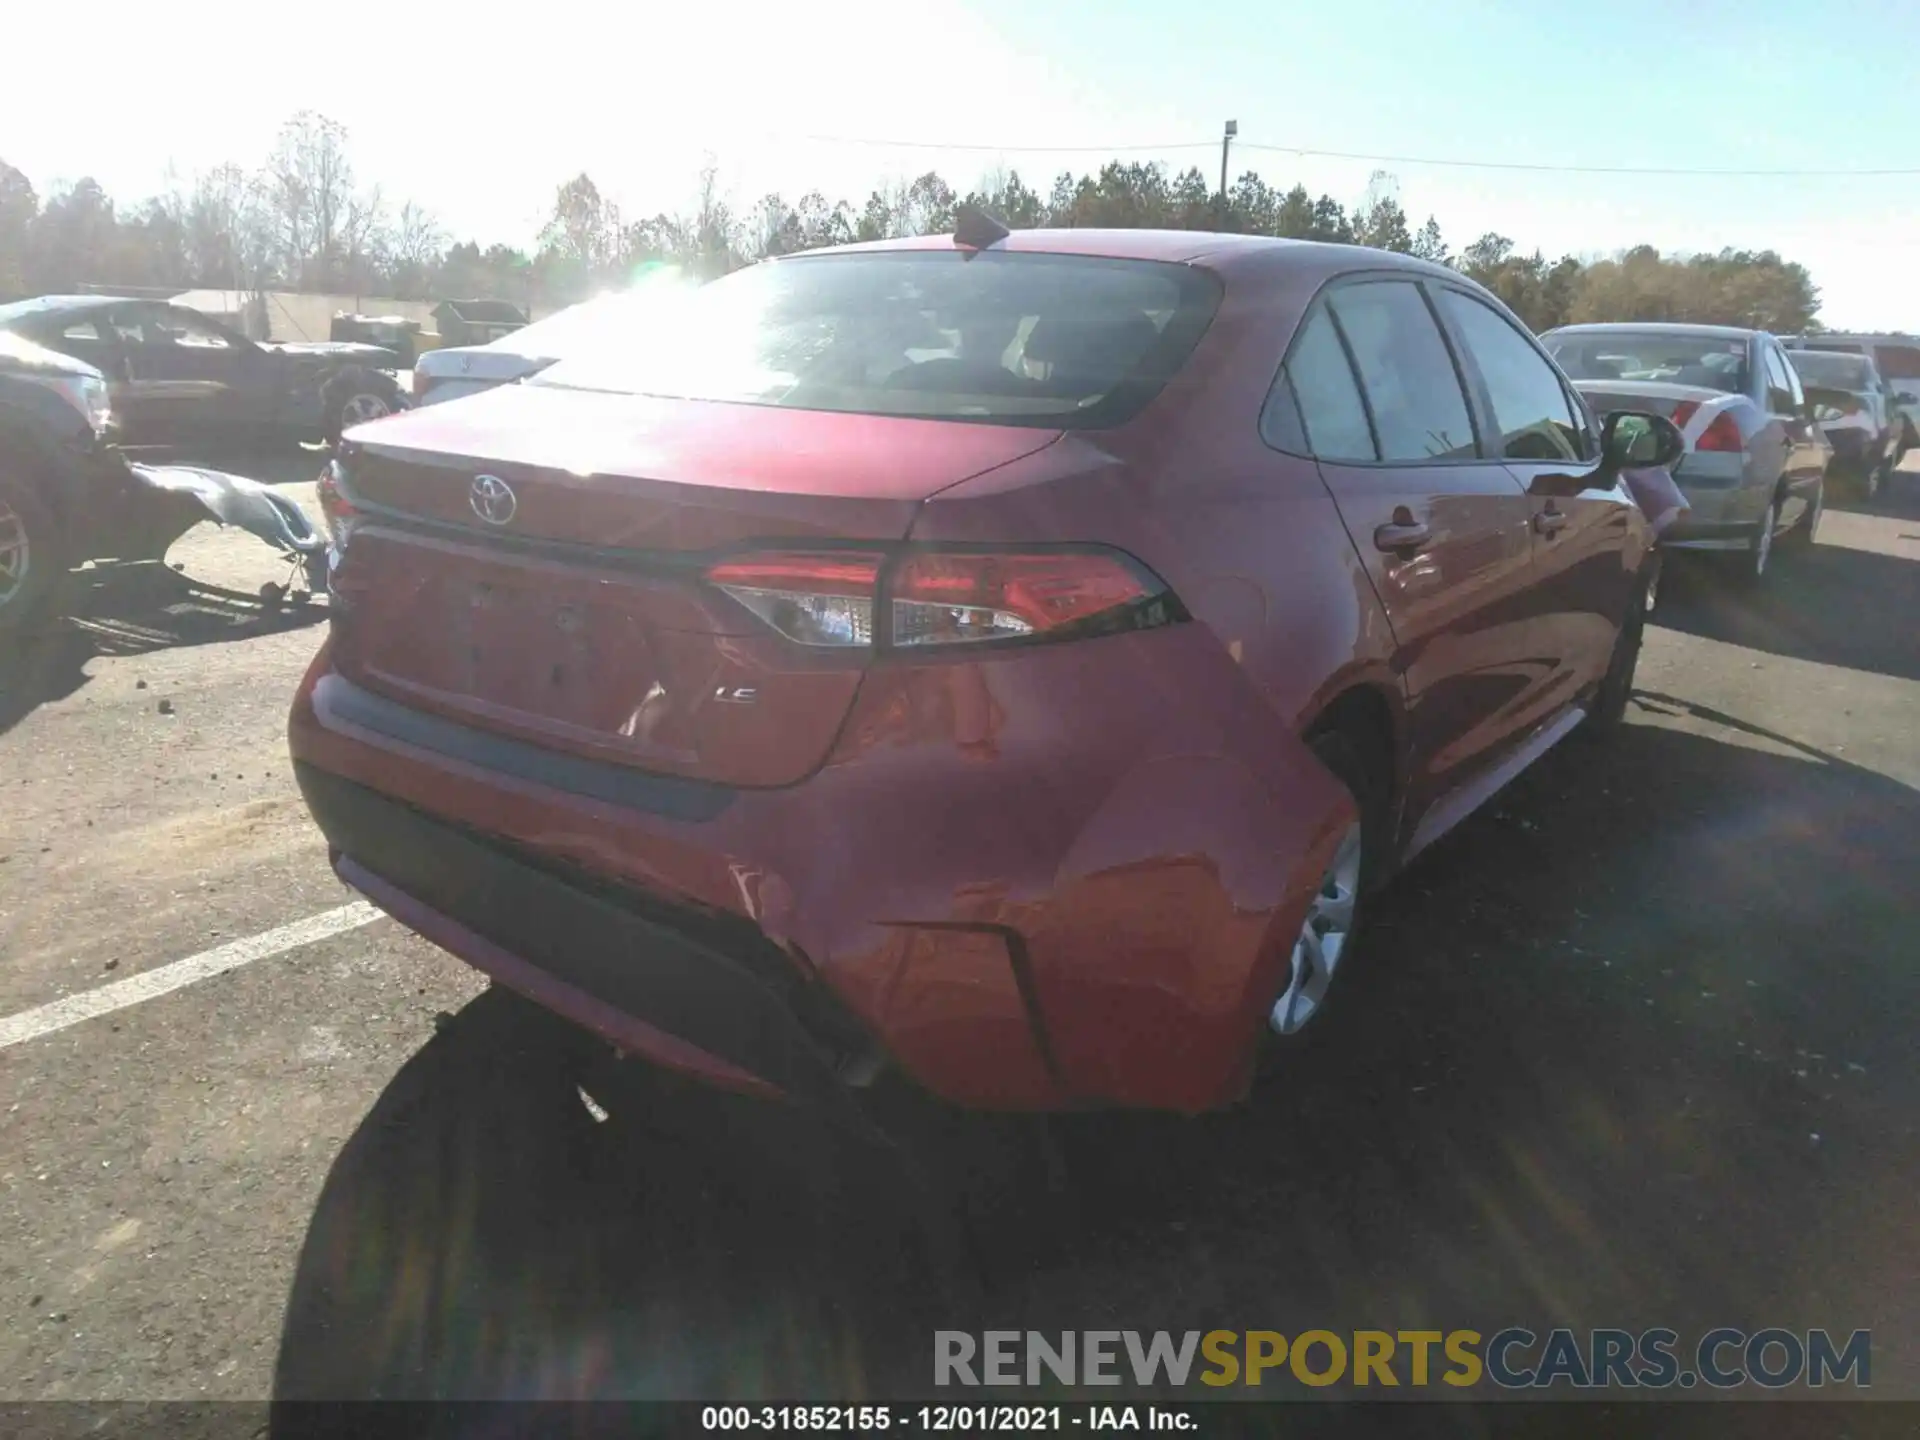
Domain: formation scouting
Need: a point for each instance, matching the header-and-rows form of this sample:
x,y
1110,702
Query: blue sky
x,y
639,96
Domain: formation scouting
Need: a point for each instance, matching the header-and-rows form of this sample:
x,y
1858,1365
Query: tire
x,y
1754,559
1872,481
1800,539
1610,702
355,396
32,557
1656,568
1339,908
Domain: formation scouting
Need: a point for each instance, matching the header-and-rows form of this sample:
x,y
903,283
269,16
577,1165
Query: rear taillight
x,y
824,599
336,510
1722,433
941,598
925,598
422,382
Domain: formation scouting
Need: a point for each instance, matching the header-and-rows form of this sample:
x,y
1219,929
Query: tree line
x,y
302,220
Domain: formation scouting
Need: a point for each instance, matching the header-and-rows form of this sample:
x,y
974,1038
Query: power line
x,y
1308,153
1575,169
1007,149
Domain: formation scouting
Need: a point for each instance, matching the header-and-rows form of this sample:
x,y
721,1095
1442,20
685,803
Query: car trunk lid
x,y
531,562
1654,396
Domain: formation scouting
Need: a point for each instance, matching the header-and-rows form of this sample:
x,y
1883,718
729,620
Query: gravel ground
x,y
1635,1049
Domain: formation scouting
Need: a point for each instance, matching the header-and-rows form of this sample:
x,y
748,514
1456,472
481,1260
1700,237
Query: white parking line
x,y
151,984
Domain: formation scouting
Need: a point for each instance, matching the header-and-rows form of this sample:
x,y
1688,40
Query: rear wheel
x,y
30,556
1332,924
355,396
1759,551
1609,710
1801,537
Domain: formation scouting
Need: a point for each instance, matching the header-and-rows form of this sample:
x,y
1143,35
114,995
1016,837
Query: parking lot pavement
x,y
1635,1049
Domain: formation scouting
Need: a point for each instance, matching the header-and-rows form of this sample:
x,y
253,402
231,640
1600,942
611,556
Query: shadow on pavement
x,y
1831,604
128,610
1634,1050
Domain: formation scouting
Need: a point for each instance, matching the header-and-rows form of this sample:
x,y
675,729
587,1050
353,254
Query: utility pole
x,y
1226,143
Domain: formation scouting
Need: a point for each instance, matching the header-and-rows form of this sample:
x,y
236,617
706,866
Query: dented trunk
x,y
566,603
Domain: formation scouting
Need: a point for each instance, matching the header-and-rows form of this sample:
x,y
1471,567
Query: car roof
x,y
57,304
1677,327
1213,249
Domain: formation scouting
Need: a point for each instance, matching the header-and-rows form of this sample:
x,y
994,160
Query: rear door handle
x,y
1399,536
1549,522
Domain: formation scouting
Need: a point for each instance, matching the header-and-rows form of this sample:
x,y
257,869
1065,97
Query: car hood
x,y
19,355
320,351
479,362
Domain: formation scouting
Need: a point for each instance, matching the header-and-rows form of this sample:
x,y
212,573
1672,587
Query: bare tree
x,y
232,237
309,187
366,240
415,249
584,228
714,251
418,237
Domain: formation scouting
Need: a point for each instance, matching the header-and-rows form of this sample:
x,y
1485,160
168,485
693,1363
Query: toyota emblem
x,y
492,499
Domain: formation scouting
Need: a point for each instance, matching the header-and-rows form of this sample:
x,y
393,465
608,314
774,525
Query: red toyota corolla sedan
x,y
1007,665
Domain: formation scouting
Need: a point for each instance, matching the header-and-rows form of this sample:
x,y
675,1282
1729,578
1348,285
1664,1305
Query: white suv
x,y
1897,358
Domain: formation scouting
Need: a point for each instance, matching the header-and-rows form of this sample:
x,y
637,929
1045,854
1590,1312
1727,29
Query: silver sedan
x,y
1754,471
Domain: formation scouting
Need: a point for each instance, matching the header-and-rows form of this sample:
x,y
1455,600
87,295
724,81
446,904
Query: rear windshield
x,y
607,322
1012,339
1665,356
1836,372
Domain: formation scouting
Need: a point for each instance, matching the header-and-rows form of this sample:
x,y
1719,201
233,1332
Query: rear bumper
x,y
588,953
1716,518
1062,877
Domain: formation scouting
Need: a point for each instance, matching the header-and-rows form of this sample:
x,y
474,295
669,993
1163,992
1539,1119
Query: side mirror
x,y
1636,440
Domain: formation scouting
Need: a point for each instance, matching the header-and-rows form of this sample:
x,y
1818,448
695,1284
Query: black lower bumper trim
x,y
338,699
586,937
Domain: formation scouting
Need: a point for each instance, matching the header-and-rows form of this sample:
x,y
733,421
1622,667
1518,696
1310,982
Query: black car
x,y
176,377
68,495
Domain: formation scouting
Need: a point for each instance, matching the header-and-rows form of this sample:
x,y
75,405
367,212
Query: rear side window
x,y
1780,387
1412,389
1330,406
1530,406
1007,338
1899,362
1836,372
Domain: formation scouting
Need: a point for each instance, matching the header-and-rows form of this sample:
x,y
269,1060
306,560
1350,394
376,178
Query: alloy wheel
x,y
1324,938
361,408
16,553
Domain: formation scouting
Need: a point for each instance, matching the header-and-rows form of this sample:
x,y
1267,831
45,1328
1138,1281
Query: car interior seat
x,y
1089,357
